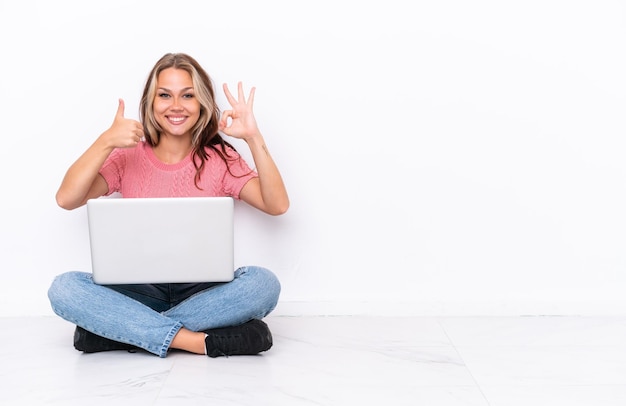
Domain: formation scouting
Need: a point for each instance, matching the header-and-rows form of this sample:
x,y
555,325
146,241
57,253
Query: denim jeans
x,y
149,316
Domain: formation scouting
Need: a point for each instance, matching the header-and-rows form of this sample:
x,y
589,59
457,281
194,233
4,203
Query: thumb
x,y
120,109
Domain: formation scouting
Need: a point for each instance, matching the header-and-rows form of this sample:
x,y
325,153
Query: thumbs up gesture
x,y
124,132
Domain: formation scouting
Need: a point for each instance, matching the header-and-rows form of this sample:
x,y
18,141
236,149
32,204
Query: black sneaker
x,y
88,342
250,338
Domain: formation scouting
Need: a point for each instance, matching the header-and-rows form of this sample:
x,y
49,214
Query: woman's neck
x,y
172,150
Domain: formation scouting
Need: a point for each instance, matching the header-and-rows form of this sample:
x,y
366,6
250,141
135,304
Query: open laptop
x,y
161,240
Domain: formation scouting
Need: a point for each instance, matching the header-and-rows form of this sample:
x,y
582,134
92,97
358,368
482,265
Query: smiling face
x,y
175,106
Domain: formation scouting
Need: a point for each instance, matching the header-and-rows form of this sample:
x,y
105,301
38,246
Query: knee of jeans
x,y
62,288
269,286
275,285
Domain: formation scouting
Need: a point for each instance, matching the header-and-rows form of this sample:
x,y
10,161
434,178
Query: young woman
x,y
175,151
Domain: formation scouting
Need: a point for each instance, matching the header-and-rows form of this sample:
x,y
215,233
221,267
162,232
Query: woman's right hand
x,y
124,132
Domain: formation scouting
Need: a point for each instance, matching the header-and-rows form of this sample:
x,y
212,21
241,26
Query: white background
x,y
442,157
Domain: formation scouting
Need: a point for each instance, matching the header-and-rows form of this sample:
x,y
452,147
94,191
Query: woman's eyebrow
x,y
182,90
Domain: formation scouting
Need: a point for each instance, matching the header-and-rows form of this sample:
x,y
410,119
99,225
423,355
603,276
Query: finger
x,y
226,115
251,96
229,96
240,95
120,109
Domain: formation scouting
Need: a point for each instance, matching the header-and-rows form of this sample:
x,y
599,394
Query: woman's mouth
x,y
176,120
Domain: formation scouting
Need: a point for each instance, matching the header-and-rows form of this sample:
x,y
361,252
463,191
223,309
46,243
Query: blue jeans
x,y
149,316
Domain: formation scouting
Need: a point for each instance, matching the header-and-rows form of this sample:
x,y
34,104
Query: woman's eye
x,y
188,96
164,95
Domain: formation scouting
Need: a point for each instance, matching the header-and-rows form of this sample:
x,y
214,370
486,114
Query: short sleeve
x,y
113,169
237,176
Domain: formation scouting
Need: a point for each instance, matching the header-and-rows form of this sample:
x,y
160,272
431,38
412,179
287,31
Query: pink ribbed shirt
x,y
136,172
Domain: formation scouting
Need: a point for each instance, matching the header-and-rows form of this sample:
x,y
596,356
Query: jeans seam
x,y
169,338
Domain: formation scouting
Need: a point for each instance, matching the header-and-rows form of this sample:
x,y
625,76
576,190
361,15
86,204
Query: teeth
x,y
177,119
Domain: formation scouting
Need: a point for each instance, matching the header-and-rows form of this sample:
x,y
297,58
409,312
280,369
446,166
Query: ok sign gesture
x,y
239,121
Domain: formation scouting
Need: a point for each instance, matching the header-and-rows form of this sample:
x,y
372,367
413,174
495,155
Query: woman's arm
x,y
267,192
82,180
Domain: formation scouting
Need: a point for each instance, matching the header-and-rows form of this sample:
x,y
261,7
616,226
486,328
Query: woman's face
x,y
175,105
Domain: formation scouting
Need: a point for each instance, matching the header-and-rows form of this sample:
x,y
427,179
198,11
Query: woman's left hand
x,y
239,122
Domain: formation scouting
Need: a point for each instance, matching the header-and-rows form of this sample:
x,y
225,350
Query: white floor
x,y
499,361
